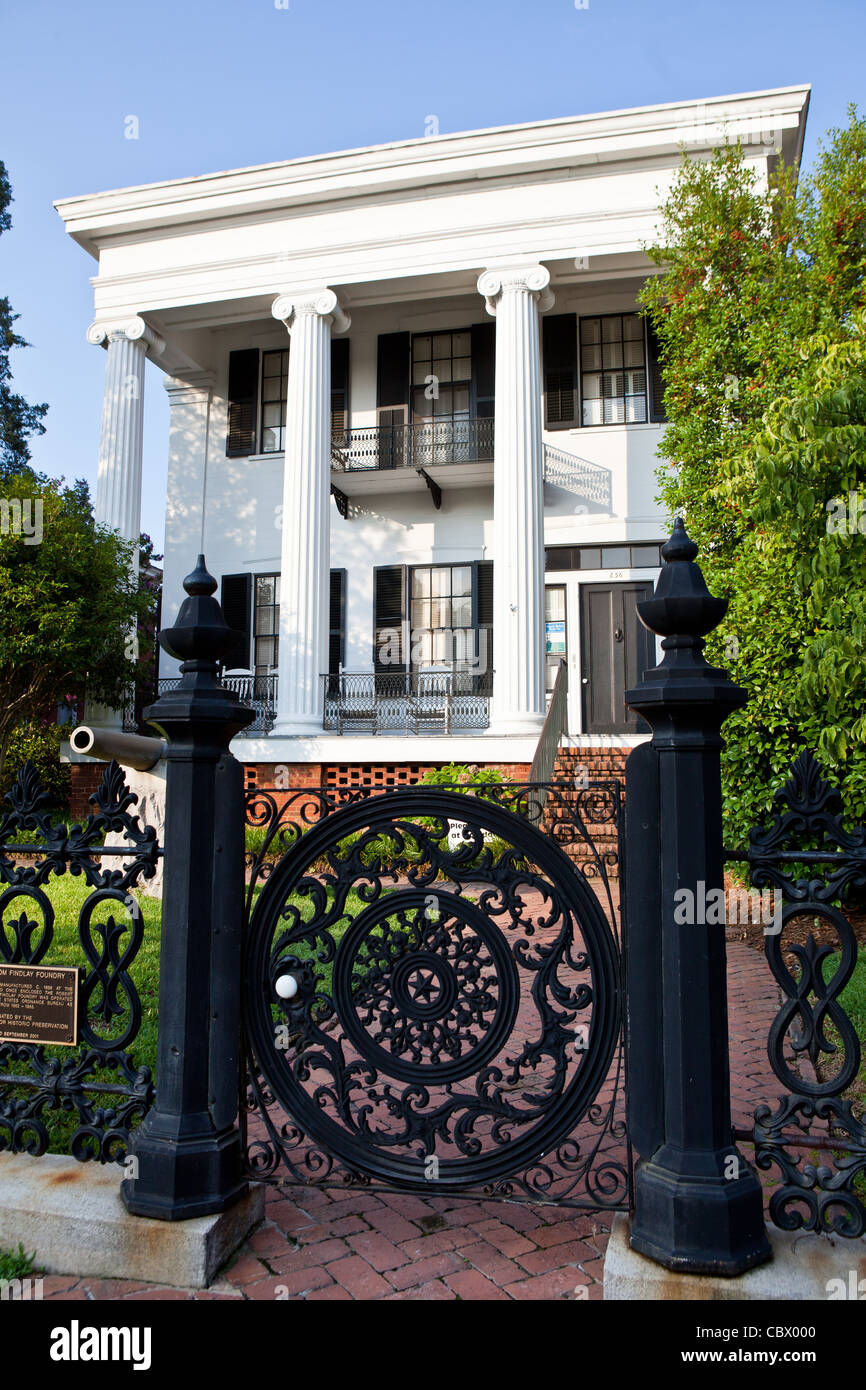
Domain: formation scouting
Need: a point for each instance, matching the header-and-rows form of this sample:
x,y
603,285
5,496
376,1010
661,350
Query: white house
x,y
414,420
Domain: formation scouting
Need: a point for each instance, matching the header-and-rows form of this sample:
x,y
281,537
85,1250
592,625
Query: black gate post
x,y
698,1204
188,1146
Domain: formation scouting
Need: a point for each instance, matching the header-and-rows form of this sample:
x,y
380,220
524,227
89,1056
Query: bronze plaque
x,y
39,1004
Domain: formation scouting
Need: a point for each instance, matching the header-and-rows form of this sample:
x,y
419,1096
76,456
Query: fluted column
x,y
514,296
118,481
305,551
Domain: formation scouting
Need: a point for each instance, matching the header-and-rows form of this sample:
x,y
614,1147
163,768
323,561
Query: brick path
x,y
361,1245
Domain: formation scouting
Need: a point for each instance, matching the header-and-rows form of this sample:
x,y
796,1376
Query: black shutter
x,y
484,625
483,369
236,599
655,376
337,622
243,402
392,370
559,339
339,387
389,617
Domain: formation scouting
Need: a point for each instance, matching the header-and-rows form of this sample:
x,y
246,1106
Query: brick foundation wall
x,y
352,775
84,778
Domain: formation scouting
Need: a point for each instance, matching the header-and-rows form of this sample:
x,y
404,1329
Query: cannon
x,y
130,750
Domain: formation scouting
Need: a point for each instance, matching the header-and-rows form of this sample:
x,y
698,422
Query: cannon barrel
x,y
130,750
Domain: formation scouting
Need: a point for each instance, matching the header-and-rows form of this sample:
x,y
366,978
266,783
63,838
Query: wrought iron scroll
x,y
813,1136
400,1055
98,1084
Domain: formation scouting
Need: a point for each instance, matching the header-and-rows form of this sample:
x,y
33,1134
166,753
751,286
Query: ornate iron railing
x,y
467,899
588,480
419,445
259,692
98,1082
407,702
812,1121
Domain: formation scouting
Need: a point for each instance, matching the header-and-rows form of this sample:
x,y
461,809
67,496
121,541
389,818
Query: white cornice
x,y
570,142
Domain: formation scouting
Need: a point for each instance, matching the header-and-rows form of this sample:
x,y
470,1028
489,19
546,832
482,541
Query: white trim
x,y
329,748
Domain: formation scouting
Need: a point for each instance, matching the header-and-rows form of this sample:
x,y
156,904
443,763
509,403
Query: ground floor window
x,y
266,624
441,616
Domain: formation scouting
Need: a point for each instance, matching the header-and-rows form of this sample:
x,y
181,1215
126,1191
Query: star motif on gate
x,y
424,986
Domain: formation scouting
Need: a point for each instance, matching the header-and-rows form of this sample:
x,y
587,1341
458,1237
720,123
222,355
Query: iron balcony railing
x,y
258,691
422,445
580,476
433,701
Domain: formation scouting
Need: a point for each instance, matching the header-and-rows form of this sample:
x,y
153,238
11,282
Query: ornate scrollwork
x,y
451,1011
807,832
99,1082
815,1197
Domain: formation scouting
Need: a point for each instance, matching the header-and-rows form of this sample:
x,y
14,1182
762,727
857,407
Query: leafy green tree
x,y
759,314
68,601
18,420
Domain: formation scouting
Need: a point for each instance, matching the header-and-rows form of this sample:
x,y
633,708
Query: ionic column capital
x,y
132,328
289,305
526,279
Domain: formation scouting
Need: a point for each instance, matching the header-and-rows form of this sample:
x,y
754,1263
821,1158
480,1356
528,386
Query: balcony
x,y
446,453
431,701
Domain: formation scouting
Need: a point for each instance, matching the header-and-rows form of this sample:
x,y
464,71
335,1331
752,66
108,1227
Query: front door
x,y
615,651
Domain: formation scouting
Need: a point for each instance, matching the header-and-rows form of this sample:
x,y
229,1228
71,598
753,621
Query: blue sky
x,y
218,84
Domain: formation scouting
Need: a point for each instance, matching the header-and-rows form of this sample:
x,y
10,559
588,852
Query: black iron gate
x,y
432,992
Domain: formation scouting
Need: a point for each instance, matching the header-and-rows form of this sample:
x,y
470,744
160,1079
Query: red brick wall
x,y
84,779
357,774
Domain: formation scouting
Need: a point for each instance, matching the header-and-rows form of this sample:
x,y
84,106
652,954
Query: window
x,y
447,358
275,383
266,623
441,616
642,555
613,378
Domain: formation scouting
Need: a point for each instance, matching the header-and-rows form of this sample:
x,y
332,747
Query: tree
x,y
760,323
68,601
18,420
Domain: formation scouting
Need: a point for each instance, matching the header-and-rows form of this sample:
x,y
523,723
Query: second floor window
x,y
275,382
613,370
441,376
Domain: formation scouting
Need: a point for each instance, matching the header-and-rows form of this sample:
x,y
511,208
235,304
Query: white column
x,y
117,504
118,482
189,419
305,550
515,295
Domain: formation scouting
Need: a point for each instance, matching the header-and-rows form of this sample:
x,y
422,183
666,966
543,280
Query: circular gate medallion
x,y
456,1009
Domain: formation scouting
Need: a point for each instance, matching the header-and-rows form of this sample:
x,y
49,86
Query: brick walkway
x,y
361,1245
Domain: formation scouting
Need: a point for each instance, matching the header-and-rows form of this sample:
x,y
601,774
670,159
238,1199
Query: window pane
x,y
592,386
613,384
421,612
645,556
273,414
271,389
592,412
461,612
276,589
421,349
632,326
420,373
614,556
461,400
270,441
272,364
611,329
421,583
461,344
612,355
422,648
442,347
266,650
590,557
264,588
461,579
590,331
441,577
635,409
614,411
633,354
590,359
445,403
462,369
422,408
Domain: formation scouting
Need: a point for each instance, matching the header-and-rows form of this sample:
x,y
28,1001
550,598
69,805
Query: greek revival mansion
x,y
414,421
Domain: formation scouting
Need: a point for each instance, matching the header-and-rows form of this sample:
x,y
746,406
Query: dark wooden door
x,y
615,651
